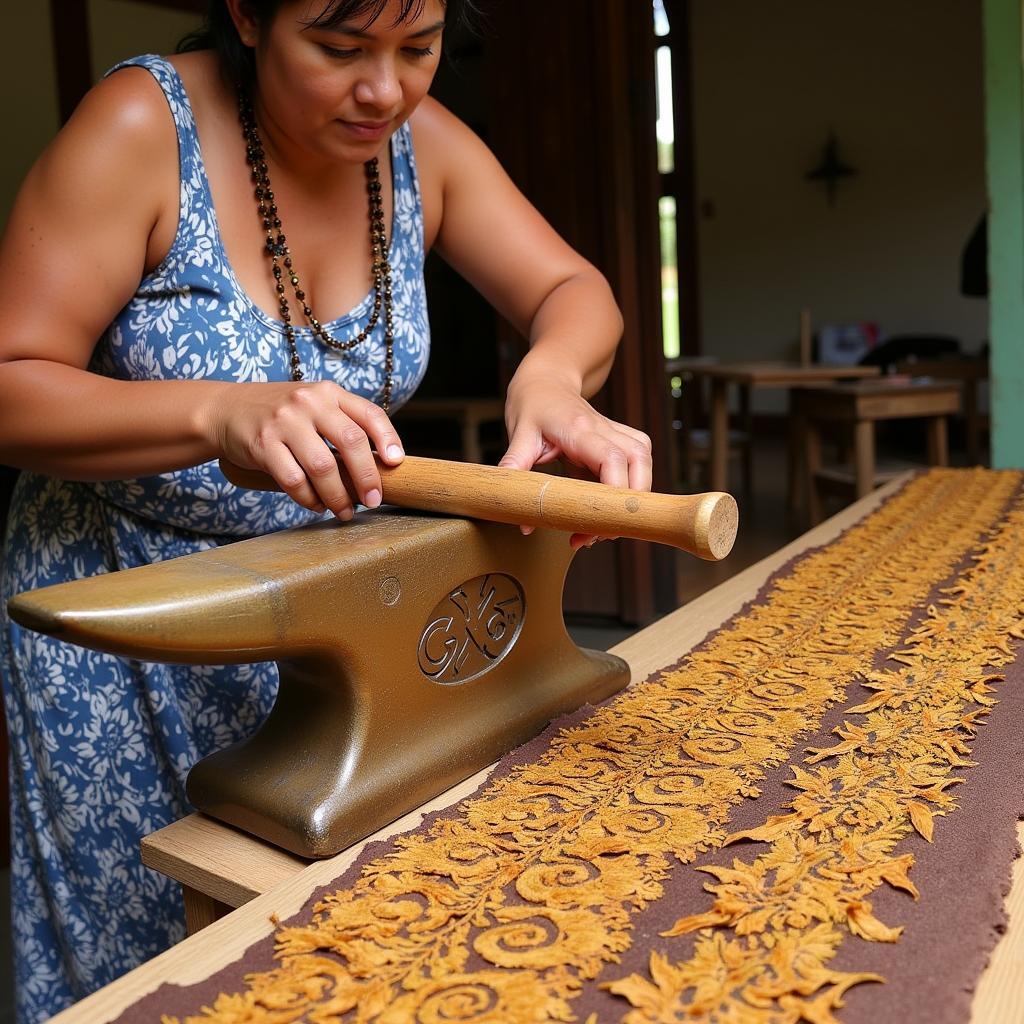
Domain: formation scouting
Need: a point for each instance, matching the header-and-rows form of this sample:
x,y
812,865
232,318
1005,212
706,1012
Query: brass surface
x,y
413,650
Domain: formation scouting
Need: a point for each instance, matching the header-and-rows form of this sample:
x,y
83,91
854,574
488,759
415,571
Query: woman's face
x,y
340,93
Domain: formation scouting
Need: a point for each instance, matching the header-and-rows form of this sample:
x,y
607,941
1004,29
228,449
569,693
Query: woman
x,y
208,218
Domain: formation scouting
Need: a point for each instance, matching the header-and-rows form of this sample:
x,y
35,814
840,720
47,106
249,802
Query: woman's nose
x,y
380,87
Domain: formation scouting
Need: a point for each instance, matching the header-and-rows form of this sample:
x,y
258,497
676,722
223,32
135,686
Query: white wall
x,y
901,85
118,29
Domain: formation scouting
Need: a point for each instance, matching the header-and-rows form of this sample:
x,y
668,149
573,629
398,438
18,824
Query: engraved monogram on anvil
x,y
472,628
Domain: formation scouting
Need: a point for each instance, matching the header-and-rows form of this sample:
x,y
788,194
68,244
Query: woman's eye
x,y
334,51
418,51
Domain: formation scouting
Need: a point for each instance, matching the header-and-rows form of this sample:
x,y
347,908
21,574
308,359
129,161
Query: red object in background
x,y
846,344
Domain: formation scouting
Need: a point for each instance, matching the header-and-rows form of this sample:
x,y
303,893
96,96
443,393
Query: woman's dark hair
x,y
218,32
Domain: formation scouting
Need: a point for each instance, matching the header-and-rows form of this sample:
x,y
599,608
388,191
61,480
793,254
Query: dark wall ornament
x,y
831,170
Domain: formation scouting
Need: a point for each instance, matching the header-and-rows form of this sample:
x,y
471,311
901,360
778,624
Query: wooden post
x,y
805,337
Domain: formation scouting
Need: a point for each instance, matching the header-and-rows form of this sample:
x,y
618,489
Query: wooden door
x,y
572,114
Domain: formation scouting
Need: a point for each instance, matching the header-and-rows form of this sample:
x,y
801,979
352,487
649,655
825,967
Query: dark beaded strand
x,y
279,253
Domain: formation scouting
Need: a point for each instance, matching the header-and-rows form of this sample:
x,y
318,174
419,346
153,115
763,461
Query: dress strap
x,y
195,189
177,99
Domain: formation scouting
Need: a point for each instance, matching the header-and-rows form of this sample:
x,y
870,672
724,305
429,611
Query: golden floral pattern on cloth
x,y
500,910
891,773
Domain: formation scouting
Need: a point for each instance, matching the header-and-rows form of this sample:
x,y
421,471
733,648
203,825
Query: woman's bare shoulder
x,y
103,186
446,149
435,129
124,109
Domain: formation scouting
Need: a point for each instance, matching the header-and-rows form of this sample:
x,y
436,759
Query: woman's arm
x,y
96,212
494,237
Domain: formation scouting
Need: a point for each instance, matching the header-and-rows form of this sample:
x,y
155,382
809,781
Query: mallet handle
x,y
702,524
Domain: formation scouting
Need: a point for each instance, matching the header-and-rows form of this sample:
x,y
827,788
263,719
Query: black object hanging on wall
x,y
831,170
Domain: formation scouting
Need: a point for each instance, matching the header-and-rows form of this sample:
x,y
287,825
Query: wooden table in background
x,y
859,405
232,868
469,413
747,377
970,372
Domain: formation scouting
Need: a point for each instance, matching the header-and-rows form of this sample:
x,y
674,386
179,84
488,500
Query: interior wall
x,y
121,28
26,72
118,29
901,85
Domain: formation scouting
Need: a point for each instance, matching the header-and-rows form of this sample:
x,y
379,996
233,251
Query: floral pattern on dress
x,y
100,746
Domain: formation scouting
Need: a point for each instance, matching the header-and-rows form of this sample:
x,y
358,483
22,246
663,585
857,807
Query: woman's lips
x,y
369,130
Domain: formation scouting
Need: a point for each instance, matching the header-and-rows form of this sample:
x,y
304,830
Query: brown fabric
x,y
961,877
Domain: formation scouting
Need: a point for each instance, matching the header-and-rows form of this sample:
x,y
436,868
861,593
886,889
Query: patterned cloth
x,y
100,746
823,794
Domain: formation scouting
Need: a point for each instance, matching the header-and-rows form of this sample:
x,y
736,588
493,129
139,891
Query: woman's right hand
x,y
284,428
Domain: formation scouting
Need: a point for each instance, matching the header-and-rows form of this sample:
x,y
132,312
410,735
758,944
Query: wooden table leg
x,y
938,442
201,909
747,426
719,436
812,463
471,449
971,425
864,457
794,464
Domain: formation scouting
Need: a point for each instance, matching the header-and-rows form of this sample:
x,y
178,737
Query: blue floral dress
x,y
100,745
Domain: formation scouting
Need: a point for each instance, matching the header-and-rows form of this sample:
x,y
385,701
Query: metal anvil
x,y
413,650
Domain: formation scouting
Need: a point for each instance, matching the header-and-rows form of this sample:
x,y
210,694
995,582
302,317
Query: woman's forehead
x,y
364,13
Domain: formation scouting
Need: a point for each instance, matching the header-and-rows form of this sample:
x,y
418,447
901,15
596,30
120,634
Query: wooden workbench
x,y
232,867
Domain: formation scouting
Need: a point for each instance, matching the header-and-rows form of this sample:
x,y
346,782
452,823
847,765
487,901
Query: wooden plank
x,y
999,997
226,864
772,374
201,910
932,400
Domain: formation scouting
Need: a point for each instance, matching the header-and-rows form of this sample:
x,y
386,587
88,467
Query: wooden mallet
x,y
701,524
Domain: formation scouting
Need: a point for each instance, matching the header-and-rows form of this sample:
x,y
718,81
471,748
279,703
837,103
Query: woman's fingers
x,y
353,447
601,455
379,428
321,469
356,424
524,449
281,464
310,415
288,430
615,455
351,433
641,465
323,415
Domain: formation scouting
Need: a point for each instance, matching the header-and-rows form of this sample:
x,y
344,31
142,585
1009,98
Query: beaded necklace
x,y
279,253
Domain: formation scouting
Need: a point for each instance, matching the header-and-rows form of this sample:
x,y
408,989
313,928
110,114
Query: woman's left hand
x,y
547,418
